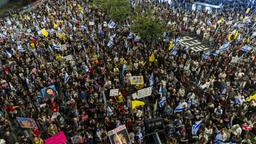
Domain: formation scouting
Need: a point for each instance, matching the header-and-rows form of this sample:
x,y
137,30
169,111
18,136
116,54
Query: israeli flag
x,y
238,100
130,36
224,47
162,102
85,28
253,34
174,51
110,44
9,55
206,55
20,48
124,67
151,79
246,48
66,77
196,127
111,24
12,87
165,36
56,47
190,103
179,108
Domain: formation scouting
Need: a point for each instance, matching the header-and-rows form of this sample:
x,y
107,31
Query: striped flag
x,y
20,48
224,47
110,44
206,55
179,108
162,102
130,36
174,51
246,48
66,77
9,55
56,47
196,127
111,24
151,79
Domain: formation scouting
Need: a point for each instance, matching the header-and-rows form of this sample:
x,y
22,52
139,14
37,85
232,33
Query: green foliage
x,y
148,27
118,10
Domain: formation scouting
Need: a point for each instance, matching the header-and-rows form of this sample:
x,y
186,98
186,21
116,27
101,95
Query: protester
x,y
60,60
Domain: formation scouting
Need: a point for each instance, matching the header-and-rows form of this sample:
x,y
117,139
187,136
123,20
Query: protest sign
x,y
48,92
136,80
119,135
142,93
59,138
26,122
114,92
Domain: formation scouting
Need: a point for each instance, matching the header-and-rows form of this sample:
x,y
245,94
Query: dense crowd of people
x,y
73,46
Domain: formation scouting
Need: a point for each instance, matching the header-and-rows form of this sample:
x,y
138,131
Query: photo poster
x,y
114,92
136,80
26,122
47,93
119,135
142,93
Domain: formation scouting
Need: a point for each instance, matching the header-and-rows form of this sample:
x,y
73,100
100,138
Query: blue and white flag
x,y
111,24
206,55
253,34
151,79
162,102
179,108
66,77
20,48
174,51
196,127
8,54
130,36
57,47
110,44
238,100
246,48
224,47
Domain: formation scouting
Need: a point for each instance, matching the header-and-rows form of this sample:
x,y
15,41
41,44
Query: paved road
x,y
193,43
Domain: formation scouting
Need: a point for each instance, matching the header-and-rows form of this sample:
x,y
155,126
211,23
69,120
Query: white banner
x,y
142,93
114,92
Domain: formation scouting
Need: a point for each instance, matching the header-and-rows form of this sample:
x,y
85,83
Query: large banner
x,y
142,93
136,80
119,135
26,122
58,138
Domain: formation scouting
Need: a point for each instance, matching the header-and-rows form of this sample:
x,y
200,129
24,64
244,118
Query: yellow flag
x,y
248,40
44,32
71,7
58,57
230,37
247,10
80,8
222,20
253,97
55,26
171,45
152,58
236,35
32,45
136,103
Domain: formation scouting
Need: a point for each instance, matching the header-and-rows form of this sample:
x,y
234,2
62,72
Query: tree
x,y
118,10
149,27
